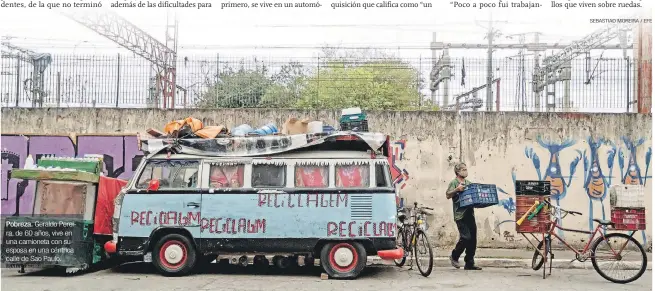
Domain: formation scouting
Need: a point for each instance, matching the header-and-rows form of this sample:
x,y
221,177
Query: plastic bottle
x,y
29,163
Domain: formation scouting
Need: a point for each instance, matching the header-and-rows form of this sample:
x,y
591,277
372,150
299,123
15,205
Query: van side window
x,y
349,175
312,176
226,175
381,171
269,175
172,174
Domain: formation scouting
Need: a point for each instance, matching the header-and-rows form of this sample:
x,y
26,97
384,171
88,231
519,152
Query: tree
x,y
369,81
343,78
240,88
287,86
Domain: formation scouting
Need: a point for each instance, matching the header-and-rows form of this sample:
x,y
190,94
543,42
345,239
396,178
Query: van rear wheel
x,y
343,260
174,255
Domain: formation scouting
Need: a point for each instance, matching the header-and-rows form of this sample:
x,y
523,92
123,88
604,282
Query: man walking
x,y
464,219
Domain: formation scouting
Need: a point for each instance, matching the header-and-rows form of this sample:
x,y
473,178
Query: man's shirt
x,y
458,212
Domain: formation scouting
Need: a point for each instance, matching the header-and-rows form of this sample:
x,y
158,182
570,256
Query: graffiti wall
x,y
591,169
120,153
582,155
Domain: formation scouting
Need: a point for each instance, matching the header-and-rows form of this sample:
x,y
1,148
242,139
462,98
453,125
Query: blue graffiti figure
x,y
508,204
632,175
596,184
553,174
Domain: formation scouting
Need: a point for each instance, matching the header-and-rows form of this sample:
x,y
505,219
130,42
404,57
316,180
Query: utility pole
x,y
491,34
490,55
520,94
114,27
623,38
446,83
537,49
433,93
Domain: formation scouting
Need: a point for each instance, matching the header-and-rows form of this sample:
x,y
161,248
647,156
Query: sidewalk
x,y
511,258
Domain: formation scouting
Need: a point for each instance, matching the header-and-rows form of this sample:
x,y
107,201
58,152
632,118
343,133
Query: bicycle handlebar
x,y
562,209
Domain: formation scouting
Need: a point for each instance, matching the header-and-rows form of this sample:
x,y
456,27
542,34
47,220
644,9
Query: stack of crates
x,y
527,192
628,207
479,196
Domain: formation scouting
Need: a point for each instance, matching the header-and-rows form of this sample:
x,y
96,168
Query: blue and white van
x,y
293,198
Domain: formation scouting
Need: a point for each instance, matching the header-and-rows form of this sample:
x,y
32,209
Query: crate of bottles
x,y
479,196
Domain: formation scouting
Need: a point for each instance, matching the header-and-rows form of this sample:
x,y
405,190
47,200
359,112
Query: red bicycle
x,y
611,250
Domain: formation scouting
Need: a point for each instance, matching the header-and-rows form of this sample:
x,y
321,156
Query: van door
x,y
174,203
223,206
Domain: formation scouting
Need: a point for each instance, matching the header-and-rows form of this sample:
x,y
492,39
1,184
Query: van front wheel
x,y
343,260
174,255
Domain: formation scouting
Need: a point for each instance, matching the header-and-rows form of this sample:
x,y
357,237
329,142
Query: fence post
x,y
318,78
17,81
118,78
218,74
58,89
627,85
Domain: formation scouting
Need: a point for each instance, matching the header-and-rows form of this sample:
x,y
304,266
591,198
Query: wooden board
x,y
54,175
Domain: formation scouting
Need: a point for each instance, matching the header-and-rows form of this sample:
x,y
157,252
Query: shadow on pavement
x,y
213,268
228,269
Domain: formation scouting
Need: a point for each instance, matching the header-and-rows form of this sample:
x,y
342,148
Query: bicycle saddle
x,y
603,222
402,217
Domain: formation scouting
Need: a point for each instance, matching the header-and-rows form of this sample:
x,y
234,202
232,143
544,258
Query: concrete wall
x,y
496,146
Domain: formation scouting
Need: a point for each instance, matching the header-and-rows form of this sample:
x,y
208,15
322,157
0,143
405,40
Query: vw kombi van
x,y
310,196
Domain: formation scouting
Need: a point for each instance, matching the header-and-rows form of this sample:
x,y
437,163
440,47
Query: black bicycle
x,y
413,240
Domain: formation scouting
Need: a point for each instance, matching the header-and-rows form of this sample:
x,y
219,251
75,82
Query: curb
x,y
508,263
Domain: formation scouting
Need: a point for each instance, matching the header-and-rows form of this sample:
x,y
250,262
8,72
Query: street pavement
x,y
141,276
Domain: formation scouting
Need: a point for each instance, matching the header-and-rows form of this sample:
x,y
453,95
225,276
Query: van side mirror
x,y
153,185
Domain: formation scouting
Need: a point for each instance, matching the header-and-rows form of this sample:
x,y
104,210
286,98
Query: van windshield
x,y
172,174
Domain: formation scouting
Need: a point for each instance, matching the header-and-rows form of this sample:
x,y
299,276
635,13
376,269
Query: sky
x,y
278,34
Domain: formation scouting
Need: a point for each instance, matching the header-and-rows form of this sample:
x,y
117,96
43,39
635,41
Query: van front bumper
x,y
394,254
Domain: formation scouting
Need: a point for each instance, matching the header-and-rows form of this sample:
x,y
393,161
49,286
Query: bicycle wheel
x,y
423,251
401,243
538,257
622,251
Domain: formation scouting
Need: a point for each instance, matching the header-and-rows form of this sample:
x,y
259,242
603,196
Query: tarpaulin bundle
x,y
191,127
108,189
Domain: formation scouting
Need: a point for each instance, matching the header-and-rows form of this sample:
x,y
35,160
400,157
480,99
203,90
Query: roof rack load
x,y
376,143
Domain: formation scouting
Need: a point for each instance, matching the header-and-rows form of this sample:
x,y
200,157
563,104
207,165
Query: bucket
x,y
266,129
241,130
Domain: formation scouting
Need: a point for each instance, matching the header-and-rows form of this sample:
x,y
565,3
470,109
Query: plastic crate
x,y
359,126
629,218
479,196
540,223
627,196
532,188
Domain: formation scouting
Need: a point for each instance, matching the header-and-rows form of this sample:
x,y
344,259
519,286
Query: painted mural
x,y
121,157
596,183
632,174
599,157
399,174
